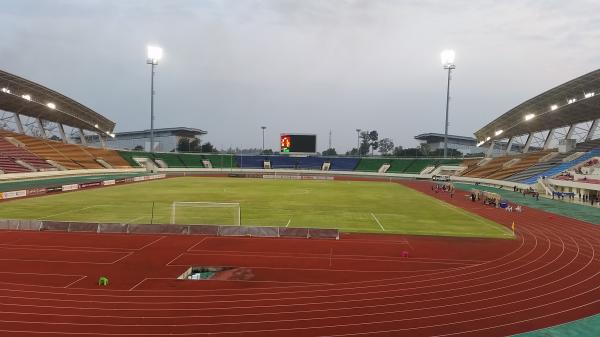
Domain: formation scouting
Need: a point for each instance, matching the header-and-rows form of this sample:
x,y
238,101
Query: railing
x,y
216,230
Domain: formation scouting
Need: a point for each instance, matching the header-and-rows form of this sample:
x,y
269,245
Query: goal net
x,y
206,213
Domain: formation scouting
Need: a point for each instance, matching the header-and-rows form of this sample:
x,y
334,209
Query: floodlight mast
x,y
263,138
154,55
358,141
447,57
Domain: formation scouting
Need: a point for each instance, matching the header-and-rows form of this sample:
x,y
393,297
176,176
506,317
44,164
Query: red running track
x,y
357,286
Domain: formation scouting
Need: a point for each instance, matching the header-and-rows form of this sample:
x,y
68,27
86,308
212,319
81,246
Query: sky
x,y
307,66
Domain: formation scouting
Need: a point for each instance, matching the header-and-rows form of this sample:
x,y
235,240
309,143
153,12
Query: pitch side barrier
x,y
216,230
39,191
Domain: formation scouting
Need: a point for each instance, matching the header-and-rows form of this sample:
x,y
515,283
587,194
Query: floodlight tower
x,y
358,141
154,55
448,57
263,134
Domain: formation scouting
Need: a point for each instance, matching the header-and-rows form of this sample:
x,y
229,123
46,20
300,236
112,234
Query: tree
x,y
207,147
267,152
329,152
425,149
194,145
183,145
352,152
385,146
451,153
364,143
373,137
138,148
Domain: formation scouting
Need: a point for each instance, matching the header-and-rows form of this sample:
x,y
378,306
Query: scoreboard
x,y
298,143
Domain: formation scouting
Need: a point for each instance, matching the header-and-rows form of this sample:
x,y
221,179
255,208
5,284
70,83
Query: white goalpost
x,y
205,212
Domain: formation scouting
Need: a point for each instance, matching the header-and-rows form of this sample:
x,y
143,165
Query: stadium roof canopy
x,y
27,98
433,137
573,102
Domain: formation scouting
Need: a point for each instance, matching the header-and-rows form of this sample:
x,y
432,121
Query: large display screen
x,y
295,143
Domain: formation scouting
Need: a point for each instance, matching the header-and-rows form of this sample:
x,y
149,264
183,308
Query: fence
x,y
266,232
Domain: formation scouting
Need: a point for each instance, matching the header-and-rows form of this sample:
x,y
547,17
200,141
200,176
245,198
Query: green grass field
x,y
349,206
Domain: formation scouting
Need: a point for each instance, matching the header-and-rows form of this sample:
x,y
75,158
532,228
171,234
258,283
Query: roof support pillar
x,y
61,129
102,140
510,144
570,132
549,139
82,137
490,150
528,142
592,130
41,127
19,123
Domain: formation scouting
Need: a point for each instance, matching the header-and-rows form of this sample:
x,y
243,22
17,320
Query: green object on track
x,y
103,281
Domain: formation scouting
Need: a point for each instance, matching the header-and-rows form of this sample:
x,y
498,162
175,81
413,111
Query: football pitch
x,y
351,206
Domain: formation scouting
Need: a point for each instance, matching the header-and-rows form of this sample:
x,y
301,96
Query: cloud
x,y
309,66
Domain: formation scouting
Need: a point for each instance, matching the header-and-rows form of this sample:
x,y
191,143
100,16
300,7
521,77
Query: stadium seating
x,y
171,159
538,168
128,156
8,165
221,160
110,156
470,165
562,167
419,165
488,168
527,160
250,161
191,160
43,149
343,164
371,164
7,149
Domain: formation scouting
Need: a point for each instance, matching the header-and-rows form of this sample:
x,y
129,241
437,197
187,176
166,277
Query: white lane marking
x,y
288,223
377,220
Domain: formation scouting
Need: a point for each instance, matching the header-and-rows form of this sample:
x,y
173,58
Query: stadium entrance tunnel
x,y
200,273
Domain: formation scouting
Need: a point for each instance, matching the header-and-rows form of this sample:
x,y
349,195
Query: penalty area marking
x,y
288,223
377,220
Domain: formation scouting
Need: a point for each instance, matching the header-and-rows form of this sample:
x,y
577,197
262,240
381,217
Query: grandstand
x,y
525,144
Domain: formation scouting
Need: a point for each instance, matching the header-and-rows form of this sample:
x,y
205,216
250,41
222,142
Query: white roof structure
x,y
576,101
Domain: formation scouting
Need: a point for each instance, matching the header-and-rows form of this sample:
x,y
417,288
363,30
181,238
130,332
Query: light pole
x,y
358,141
154,55
263,132
448,57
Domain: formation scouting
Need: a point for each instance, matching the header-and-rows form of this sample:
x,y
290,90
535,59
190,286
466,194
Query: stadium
x,y
233,211
97,241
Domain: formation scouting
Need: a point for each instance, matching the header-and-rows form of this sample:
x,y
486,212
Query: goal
x,y
206,213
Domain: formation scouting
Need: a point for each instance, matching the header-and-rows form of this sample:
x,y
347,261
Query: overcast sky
x,y
307,66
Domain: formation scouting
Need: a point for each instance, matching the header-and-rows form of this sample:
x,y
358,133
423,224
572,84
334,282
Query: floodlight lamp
x,y
488,138
499,132
154,54
112,135
589,94
572,100
96,126
447,57
529,117
51,105
27,97
480,143
553,107
5,90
